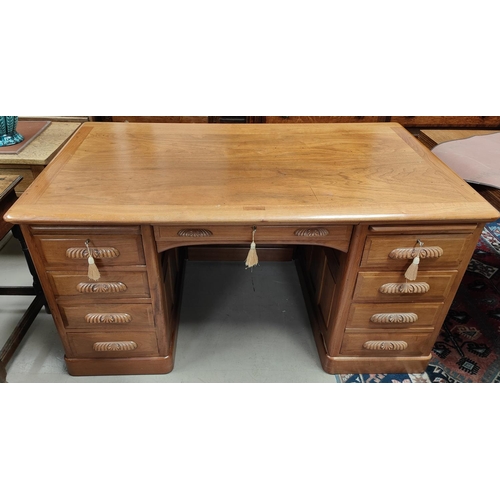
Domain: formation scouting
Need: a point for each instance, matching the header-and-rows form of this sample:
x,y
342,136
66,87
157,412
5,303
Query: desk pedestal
x,y
366,317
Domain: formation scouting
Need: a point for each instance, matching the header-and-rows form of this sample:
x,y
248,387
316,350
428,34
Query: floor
x,y
236,325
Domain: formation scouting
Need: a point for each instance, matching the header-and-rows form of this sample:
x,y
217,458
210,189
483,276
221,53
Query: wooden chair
x,y
7,198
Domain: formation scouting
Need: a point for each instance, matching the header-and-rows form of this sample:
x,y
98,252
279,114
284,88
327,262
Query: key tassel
x,y
93,272
252,258
412,271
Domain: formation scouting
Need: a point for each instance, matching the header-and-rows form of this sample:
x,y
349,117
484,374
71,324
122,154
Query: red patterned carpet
x,y
468,346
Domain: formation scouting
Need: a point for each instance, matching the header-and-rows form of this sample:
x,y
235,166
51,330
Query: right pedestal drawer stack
x,y
391,315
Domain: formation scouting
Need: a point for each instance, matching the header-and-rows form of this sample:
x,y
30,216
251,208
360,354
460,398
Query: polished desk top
x,y
135,173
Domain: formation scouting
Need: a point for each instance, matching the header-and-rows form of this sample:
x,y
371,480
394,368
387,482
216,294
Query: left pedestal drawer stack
x,y
112,318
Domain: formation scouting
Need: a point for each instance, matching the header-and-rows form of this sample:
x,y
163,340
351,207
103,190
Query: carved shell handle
x,y
421,252
404,288
122,345
312,232
97,253
388,318
110,287
195,233
385,345
108,318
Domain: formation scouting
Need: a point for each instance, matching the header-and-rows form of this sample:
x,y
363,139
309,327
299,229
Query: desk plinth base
x,y
128,366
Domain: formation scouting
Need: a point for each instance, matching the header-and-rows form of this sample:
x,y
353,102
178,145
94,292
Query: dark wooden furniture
x,y
448,122
180,119
412,122
433,137
7,198
357,201
324,119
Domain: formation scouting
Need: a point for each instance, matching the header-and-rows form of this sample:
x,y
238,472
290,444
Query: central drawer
x,y
206,235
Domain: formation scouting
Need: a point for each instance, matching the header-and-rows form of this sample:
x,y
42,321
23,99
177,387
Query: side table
x,y
36,156
8,196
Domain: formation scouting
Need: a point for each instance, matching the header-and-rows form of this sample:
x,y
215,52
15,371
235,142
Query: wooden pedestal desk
x,y
356,201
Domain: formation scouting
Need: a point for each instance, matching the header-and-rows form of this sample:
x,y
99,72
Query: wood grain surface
x,y
316,173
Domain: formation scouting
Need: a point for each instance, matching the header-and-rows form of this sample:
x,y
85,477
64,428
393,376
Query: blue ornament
x,y
8,134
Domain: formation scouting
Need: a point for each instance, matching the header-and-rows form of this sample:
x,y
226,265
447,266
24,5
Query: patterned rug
x,y
468,346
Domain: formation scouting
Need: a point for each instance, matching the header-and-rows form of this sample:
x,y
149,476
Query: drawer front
x,y
392,344
393,287
111,285
243,234
393,316
378,248
113,344
118,316
108,250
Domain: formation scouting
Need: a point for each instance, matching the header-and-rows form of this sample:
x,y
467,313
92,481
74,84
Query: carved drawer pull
x,y
101,287
122,345
407,288
416,253
108,318
312,232
195,233
421,252
97,253
385,345
394,318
